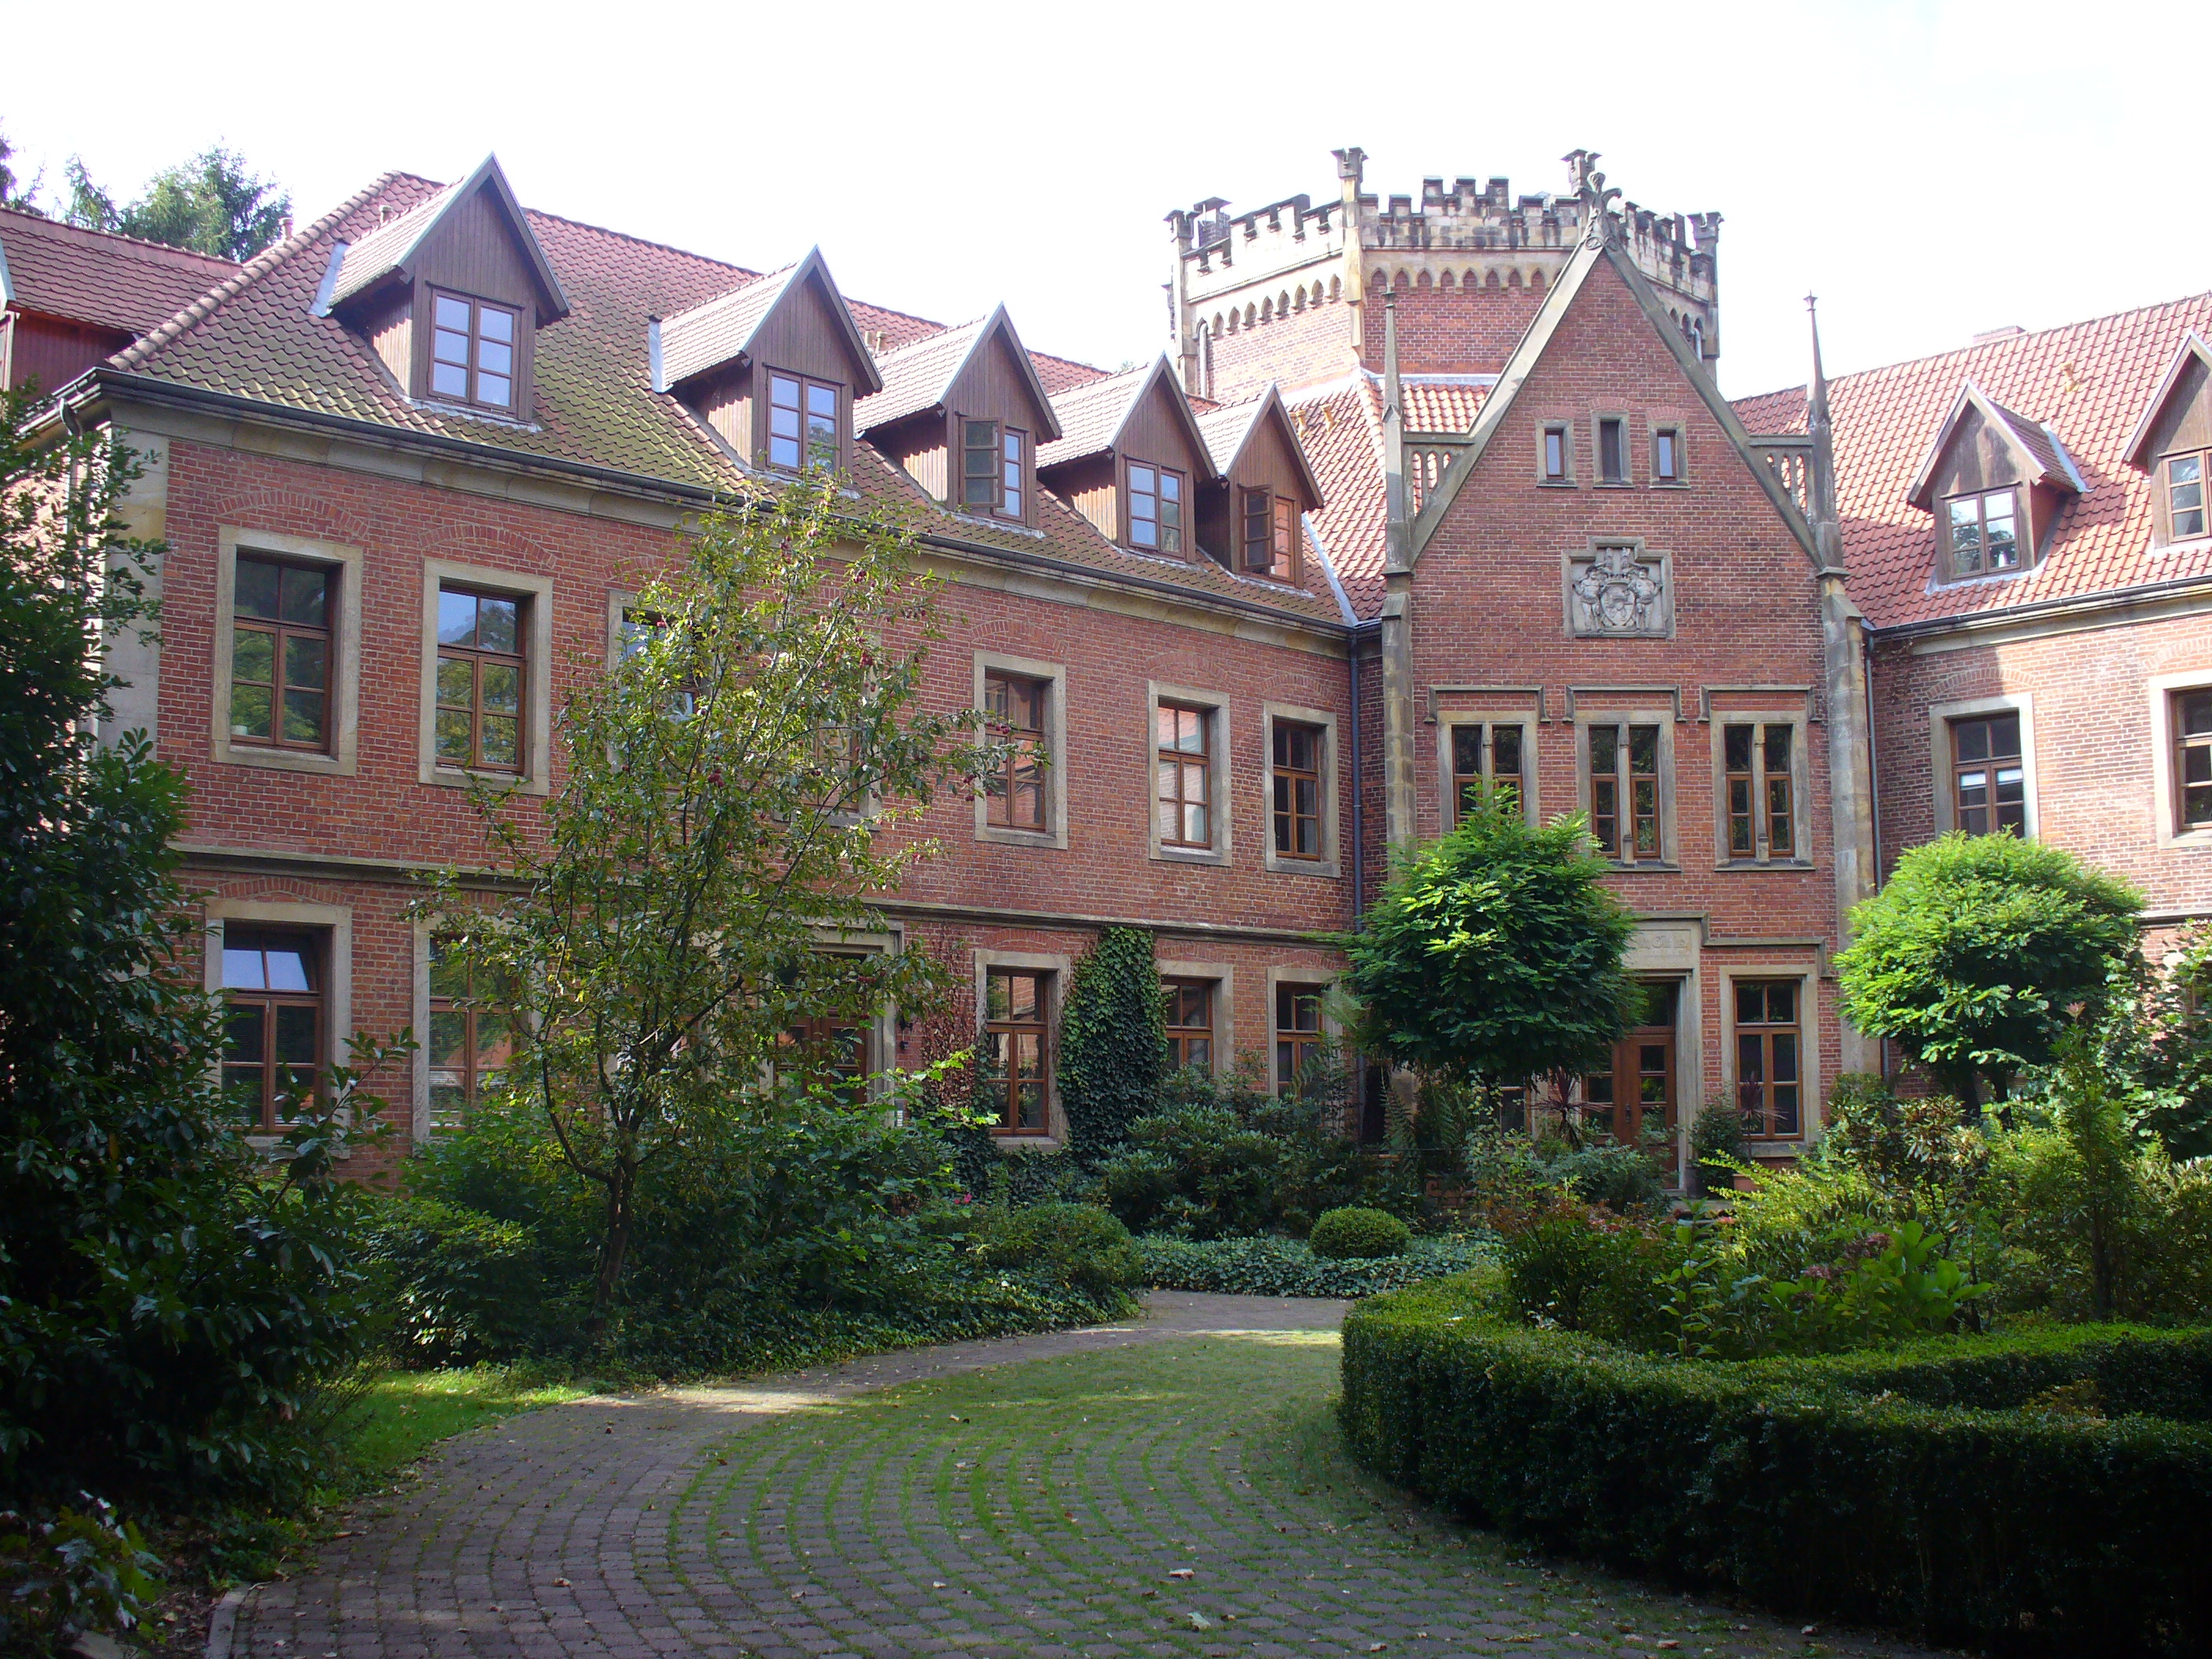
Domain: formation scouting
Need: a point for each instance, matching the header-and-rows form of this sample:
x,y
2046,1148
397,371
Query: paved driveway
x,y
1170,1486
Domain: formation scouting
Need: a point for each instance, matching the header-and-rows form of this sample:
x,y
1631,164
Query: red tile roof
x,y
917,376
1091,413
2088,382
89,277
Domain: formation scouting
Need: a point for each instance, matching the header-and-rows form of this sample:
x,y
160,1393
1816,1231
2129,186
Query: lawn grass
x,y
405,1413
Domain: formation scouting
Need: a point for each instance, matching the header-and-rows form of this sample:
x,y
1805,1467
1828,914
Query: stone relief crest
x,y
1619,590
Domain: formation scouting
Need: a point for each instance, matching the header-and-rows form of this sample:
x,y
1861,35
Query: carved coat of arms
x,y
1619,590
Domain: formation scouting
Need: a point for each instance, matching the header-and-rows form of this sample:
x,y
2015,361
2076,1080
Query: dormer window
x,y
1156,498
802,422
472,351
993,463
1984,535
2183,477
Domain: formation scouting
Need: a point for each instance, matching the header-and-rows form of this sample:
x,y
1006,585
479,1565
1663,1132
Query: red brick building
x,y
1416,495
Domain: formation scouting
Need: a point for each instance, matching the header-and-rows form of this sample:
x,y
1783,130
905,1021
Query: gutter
x,y
2006,616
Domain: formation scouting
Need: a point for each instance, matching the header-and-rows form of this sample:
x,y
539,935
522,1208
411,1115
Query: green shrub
x,y
1196,1170
1357,1234
1907,1488
1112,1041
1715,1141
1624,1179
460,1286
1078,1246
1284,1267
80,1570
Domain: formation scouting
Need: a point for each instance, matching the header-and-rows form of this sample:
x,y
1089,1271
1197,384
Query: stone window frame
x,y
1653,427
1329,864
1564,425
1058,965
536,592
1055,676
1222,975
1627,478
1670,850
1526,720
1801,787
1942,791
1220,748
346,563
1807,976
2165,785
334,922
1321,979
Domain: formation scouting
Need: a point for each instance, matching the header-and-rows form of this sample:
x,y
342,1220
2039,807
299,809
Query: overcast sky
x,y
1931,170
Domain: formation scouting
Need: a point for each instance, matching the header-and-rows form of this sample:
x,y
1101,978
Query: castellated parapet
x,y
1304,271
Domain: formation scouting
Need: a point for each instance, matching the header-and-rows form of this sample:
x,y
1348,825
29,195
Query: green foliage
x,y
1977,953
78,1570
170,1303
2165,1036
1624,1179
1913,1489
458,1285
1355,1233
211,203
1112,1041
1494,953
1716,1144
1198,1171
13,191
1078,1247
1285,1266
735,789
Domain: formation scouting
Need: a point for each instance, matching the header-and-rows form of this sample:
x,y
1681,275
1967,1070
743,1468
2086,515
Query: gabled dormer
x,y
451,295
963,412
2173,442
1995,481
773,367
1252,518
1130,459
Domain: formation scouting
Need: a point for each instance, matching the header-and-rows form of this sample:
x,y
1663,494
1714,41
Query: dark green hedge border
x,y
1284,1267
1902,1489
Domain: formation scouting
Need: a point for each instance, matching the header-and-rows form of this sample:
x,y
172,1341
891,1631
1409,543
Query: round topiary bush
x,y
1078,1245
1357,1234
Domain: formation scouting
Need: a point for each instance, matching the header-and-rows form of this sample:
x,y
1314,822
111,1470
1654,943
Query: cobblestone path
x,y
1122,1495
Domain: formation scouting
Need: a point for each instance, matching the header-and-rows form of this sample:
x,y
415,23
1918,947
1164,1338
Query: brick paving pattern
x,y
1125,1496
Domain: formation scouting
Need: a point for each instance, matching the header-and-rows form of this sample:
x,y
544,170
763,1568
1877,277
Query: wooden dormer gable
x,y
1251,520
1129,448
471,247
2179,415
963,412
736,358
1981,450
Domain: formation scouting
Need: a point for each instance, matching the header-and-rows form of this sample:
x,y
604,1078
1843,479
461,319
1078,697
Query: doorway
x,y
1638,1092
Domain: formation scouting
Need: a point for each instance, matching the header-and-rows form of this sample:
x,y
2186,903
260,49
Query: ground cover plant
x,y
1290,1267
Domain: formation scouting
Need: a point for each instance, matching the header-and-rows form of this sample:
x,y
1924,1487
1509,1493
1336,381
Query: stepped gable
x,y
2090,382
97,277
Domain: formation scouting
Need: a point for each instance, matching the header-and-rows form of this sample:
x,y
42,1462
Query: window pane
x,y
448,1045
251,709
1663,453
446,347
783,390
501,741
449,381
496,358
253,656
1737,742
457,618
303,717
2195,717
1750,1003
822,400
256,588
454,736
295,1034
1604,748
457,683
2004,735
494,389
493,323
453,313
495,624
1997,530
288,966
1644,749
1555,453
502,689
307,661
242,970
304,594
1972,738
1505,751
243,1033
1776,742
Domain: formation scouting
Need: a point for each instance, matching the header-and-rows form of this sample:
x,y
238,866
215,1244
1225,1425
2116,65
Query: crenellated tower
x,y
1286,292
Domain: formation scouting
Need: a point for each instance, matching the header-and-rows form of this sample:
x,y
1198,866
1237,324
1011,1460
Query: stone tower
x,y
1290,292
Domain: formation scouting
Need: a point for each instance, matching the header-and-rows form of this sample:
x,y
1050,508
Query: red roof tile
x,y
89,277
1091,413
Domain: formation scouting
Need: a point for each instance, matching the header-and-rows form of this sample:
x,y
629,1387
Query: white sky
x,y
1930,170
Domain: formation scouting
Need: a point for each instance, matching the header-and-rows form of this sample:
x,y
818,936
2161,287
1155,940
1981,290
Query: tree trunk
x,y
614,1246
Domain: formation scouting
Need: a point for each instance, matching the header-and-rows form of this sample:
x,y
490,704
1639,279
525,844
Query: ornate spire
x,y
1397,528
1597,198
1821,494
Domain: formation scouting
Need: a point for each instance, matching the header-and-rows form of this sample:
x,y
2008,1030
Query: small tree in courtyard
x,y
1495,953
1982,952
734,792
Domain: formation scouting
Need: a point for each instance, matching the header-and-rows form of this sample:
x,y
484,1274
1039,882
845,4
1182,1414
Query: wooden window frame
x,y
1760,1115
1301,1042
474,369
332,924
470,1008
1287,558
2188,744
534,634
1991,767
1053,677
280,633
1182,1037
1049,971
481,658
1628,1064
1282,772
807,384
2164,693
1486,730
1760,783
1170,541
1626,474
1563,431
1014,487
2168,514
1213,706
1186,765
2023,555
990,476
1254,529
1272,714
316,998
1624,777
1001,689
343,565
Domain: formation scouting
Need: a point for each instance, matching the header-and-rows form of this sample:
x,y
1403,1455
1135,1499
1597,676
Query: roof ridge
x,y
136,355
639,241
2019,339
118,236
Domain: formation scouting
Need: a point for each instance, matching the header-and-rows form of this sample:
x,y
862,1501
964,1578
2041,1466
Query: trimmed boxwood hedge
x,y
1907,1488
1284,1267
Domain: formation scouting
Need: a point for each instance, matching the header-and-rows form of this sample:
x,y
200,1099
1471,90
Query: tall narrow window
x,y
1667,455
1188,1011
1257,529
280,655
802,422
981,485
480,666
1989,782
1613,450
2184,496
1015,1034
1298,1038
273,996
1984,533
1155,509
1017,795
1011,473
472,1039
1624,784
1186,815
1768,1084
831,1049
472,351
2192,760
1298,790
1482,754
1555,454
1762,819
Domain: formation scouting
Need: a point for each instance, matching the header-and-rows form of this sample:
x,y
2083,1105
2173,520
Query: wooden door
x,y
1639,1091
